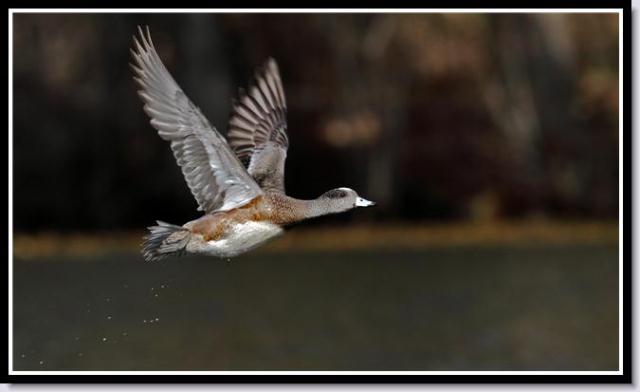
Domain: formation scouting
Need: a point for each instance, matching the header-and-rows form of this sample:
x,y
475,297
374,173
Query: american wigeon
x,y
239,182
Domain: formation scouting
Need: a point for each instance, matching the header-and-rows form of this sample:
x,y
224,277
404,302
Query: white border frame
x,y
339,11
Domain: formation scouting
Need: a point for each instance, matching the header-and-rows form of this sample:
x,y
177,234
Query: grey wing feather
x,y
215,176
258,128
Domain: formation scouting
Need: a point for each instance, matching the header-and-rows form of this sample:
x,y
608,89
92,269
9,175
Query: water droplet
x,y
155,295
228,259
152,289
23,356
77,338
144,321
104,339
124,334
157,319
80,354
162,286
108,317
107,299
41,362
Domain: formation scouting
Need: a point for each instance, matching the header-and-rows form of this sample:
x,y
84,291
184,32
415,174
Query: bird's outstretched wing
x,y
258,128
216,177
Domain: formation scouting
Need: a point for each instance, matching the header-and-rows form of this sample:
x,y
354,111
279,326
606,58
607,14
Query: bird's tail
x,y
165,240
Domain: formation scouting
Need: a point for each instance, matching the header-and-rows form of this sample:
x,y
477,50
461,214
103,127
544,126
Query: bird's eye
x,y
336,194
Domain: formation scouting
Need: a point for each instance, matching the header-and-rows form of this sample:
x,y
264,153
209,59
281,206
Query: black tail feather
x,y
165,240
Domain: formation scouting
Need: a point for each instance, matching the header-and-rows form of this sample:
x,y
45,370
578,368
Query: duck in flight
x,y
239,182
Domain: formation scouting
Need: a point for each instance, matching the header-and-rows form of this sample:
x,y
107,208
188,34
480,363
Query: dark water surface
x,y
525,308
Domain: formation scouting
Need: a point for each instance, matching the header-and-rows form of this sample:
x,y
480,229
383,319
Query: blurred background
x,y
489,142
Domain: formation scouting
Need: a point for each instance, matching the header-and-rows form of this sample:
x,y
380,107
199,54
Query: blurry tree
x,y
434,116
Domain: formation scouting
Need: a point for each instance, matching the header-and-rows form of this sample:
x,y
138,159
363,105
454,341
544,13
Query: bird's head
x,y
344,199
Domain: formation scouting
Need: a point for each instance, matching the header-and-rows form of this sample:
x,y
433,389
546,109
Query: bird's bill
x,y
361,202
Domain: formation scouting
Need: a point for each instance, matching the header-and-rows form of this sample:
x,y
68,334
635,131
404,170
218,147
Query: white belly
x,y
241,238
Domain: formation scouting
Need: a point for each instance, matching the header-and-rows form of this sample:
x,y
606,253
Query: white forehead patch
x,y
345,189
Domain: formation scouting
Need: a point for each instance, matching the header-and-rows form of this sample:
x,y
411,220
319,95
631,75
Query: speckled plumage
x,y
240,184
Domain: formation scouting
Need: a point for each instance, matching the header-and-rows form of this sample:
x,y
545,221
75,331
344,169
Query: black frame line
x,y
627,197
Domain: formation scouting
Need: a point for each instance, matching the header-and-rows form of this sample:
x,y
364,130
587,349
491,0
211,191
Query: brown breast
x,y
214,226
